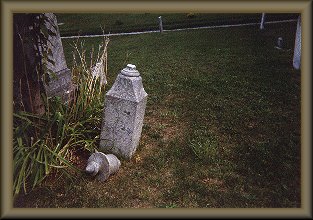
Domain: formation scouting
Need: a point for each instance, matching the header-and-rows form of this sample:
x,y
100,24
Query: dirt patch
x,y
79,157
177,131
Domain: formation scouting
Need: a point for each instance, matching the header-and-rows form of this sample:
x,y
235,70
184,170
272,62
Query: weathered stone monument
x,y
102,165
297,49
124,111
61,79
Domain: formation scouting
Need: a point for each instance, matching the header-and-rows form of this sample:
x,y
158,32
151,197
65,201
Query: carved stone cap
x,y
130,70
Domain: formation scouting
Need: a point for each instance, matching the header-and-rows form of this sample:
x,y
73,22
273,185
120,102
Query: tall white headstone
x,y
124,111
297,49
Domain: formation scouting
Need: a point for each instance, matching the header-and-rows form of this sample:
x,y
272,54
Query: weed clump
x,y
45,144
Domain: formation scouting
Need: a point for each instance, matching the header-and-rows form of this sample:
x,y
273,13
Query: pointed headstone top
x,y
130,70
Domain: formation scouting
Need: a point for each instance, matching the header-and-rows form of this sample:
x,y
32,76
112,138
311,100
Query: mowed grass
x,y
226,92
91,23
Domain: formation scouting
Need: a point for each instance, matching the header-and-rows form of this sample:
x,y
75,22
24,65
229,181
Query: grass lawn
x,y
91,23
221,129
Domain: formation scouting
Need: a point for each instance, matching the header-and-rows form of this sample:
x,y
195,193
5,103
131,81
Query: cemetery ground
x,y
221,128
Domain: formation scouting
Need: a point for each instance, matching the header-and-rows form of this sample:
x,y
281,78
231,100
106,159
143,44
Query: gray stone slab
x,y
61,78
55,44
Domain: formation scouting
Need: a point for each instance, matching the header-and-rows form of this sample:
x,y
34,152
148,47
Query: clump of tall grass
x,y
43,144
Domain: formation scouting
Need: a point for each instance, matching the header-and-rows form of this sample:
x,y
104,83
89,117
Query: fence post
x,y
160,24
262,21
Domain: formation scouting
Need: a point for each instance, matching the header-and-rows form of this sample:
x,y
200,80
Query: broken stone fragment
x,y
102,165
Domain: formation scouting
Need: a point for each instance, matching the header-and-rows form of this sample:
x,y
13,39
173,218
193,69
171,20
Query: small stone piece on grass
x,y
102,165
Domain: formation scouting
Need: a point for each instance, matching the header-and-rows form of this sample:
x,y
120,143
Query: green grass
x,y
90,23
231,85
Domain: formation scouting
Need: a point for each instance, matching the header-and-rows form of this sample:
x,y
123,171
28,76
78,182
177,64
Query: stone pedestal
x,y
124,111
